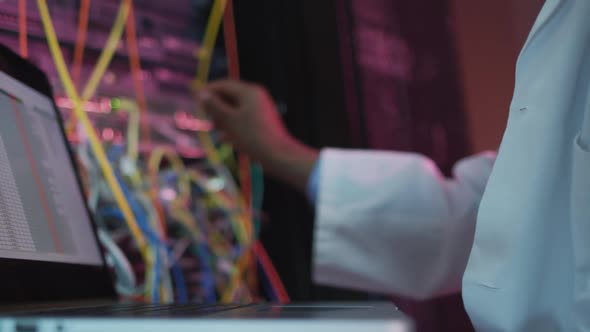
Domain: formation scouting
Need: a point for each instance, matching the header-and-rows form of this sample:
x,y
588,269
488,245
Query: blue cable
x,y
178,280
208,281
176,270
157,277
143,223
141,219
115,213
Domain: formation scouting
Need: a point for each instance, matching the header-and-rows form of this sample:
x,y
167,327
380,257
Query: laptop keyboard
x,y
140,310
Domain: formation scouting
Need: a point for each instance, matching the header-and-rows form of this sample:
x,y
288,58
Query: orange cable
x,y
154,194
80,41
231,50
244,172
231,45
79,56
135,64
22,28
271,273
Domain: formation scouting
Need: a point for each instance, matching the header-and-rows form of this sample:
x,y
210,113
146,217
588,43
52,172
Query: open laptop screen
x,y
48,248
42,213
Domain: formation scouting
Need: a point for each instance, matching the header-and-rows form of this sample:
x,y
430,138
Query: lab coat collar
x,y
549,9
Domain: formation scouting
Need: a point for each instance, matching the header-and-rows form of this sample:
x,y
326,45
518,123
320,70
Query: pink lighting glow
x,y
185,121
108,134
101,106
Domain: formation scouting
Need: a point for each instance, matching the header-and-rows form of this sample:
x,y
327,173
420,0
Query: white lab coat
x,y
389,222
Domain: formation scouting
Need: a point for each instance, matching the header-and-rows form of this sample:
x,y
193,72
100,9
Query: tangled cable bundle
x,y
172,233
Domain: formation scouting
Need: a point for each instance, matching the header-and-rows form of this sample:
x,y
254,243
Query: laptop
x,y
53,275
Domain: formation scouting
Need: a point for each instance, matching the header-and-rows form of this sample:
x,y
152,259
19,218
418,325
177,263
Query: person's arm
x,y
385,221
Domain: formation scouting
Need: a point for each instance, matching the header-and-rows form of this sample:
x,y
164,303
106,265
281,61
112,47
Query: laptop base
x,y
312,317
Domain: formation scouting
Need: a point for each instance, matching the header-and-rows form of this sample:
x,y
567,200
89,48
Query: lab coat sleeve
x,y
389,222
313,182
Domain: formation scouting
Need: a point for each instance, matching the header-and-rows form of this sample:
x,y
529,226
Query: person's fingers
x,y
229,89
214,106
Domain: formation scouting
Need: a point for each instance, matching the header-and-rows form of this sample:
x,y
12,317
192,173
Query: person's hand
x,y
246,114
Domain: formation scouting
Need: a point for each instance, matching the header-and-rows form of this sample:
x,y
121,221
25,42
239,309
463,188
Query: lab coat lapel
x,y
546,13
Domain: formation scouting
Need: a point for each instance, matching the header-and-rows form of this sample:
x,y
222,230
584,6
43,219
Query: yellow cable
x,y
204,62
235,283
244,167
105,57
159,153
131,107
206,51
204,57
91,132
153,165
108,51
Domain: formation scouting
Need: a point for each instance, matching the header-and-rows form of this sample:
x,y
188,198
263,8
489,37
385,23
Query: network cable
x,y
80,41
150,237
79,56
22,28
157,242
135,65
250,176
90,131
